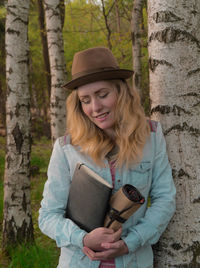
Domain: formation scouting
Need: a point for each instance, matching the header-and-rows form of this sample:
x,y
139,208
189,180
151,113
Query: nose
x,y
96,105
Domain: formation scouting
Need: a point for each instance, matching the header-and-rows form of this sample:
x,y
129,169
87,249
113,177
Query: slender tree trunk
x,y
136,43
105,15
2,106
17,222
58,67
118,21
174,51
62,12
2,75
43,35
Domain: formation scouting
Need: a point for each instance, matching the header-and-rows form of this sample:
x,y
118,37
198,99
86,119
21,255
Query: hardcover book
x,y
90,204
88,199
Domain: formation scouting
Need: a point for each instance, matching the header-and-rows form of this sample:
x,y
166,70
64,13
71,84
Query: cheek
x,y
113,104
86,110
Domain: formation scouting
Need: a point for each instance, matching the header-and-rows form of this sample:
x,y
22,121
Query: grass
x,y
43,253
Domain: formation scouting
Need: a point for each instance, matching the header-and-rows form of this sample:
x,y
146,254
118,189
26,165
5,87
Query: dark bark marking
x,y
197,200
194,12
196,104
10,70
193,72
24,188
8,161
55,30
165,16
133,38
180,173
10,114
11,31
176,246
13,197
55,11
171,35
184,127
153,63
19,106
24,203
195,248
18,137
24,61
191,94
137,79
9,10
19,19
17,110
14,234
165,109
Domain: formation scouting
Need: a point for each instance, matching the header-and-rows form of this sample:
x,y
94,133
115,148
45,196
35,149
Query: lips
x,y
101,117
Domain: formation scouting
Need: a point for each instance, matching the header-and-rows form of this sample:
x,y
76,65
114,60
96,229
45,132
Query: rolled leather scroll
x,y
122,205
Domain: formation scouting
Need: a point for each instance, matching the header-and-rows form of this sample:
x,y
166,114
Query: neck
x,y
110,133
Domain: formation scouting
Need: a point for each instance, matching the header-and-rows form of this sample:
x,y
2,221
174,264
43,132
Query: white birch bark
x,y
57,66
17,222
136,43
174,51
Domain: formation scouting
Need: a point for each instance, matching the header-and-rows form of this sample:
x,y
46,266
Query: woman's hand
x,y
111,251
101,236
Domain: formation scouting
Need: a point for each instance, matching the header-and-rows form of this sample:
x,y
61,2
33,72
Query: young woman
x,y
108,132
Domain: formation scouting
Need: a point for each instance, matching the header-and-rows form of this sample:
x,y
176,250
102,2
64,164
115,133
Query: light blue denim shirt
x,y
152,176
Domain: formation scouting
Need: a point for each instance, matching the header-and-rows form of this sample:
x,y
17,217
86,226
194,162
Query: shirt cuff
x,y
77,237
133,241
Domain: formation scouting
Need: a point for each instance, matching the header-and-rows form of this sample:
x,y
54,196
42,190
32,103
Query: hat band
x,y
92,71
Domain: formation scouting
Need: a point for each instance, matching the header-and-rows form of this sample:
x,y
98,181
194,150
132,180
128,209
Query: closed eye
x,y
103,95
85,101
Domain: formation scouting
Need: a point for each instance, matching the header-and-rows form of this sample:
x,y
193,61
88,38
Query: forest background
x,y
86,24
168,81
84,27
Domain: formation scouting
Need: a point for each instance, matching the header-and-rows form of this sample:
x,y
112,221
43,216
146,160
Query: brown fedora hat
x,y
95,64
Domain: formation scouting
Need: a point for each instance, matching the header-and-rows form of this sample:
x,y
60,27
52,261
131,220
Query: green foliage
x,y
82,29
2,12
33,256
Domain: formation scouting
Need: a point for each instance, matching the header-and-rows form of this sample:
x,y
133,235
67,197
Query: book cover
x,y
88,199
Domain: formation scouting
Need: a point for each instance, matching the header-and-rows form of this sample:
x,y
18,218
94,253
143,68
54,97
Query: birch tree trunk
x,y
136,43
174,51
17,222
58,67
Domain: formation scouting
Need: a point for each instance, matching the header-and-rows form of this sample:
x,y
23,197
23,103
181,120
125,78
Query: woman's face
x,y
98,101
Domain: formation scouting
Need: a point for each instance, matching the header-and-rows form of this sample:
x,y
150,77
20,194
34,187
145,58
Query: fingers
x,y
118,246
114,245
95,238
95,256
111,250
117,234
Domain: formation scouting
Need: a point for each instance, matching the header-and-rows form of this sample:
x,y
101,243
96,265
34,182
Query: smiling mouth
x,y
101,115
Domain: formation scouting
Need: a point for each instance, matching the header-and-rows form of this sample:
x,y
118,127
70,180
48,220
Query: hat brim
x,y
98,76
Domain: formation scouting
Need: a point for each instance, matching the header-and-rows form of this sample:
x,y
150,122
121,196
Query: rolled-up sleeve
x,y
162,196
51,214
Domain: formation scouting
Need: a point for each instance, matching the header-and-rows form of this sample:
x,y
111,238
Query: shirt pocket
x,y
139,176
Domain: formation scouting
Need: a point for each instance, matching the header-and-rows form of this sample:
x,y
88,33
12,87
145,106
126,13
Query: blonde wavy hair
x,y
131,128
